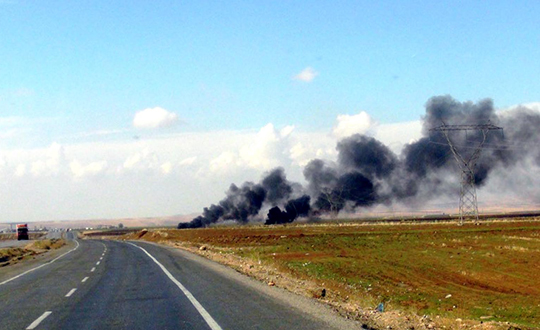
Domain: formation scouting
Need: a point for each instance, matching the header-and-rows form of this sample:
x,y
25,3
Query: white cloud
x,y
166,168
301,154
535,106
306,75
268,148
143,160
14,129
348,125
10,121
166,174
187,161
224,162
395,135
91,169
532,105
20,170
102,133
154,118
54,162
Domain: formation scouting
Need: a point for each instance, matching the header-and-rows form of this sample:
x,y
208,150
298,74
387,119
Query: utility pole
x,y
468,203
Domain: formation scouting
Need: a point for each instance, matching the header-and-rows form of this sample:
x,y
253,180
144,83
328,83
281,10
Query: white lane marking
x,y
71,292
97,263
206,316
38,267
84,279
101,258
92,270
34,324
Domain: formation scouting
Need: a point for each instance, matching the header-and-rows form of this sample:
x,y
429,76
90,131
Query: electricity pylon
x,y
468,203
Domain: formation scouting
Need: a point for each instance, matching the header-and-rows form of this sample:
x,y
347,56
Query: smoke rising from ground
x,y
367,173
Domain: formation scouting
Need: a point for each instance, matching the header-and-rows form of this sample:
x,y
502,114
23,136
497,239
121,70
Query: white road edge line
x,y
38,267
71,292
38,321
206,316
92,270
84,279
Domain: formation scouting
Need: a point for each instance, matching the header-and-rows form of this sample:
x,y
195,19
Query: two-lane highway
x,y
125,285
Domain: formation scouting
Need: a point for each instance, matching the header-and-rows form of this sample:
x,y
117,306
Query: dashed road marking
x,y
206,316
93,269
71,292
34,324
84,279
97,263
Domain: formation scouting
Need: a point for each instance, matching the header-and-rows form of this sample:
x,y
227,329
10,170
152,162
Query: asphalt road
x,y
12,243
122,285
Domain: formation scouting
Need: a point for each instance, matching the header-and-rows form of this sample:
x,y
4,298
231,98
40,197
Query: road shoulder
x,y
24,265
310,307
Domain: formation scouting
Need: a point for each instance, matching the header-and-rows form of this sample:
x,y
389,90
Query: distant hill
x,y
165,221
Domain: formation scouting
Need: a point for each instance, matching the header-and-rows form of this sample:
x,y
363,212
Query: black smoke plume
x,y
245,202
295,208
367,173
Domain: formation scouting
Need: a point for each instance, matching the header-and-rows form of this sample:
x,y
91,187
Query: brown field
x,y
445,275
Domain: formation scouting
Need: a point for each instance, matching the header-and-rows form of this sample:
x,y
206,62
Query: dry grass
x,y
46,244
480,273
10,256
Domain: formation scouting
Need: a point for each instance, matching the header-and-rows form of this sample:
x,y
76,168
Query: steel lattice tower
x,y
468,204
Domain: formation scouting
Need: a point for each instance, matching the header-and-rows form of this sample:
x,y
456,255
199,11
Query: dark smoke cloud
x,y
239,205
245,202
295,208
431,154
351,189
276,185
366,155
368,173
521,132
320,176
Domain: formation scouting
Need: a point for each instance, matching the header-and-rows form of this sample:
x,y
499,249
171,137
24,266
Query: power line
x,y
468,203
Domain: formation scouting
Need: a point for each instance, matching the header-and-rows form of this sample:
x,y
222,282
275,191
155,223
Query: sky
x,y
139,108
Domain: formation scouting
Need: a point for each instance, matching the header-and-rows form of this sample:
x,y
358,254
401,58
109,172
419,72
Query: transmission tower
x,y
468,204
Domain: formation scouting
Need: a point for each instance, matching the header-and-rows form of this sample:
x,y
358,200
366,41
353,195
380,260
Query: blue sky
x,y
71,71
229,64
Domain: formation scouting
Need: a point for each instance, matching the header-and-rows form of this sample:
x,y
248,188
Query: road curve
x,y
125,285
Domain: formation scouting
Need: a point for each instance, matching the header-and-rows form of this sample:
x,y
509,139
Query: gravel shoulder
x,y
300,294
313,308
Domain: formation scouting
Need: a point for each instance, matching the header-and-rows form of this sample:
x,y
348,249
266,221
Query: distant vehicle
x,y
22,231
